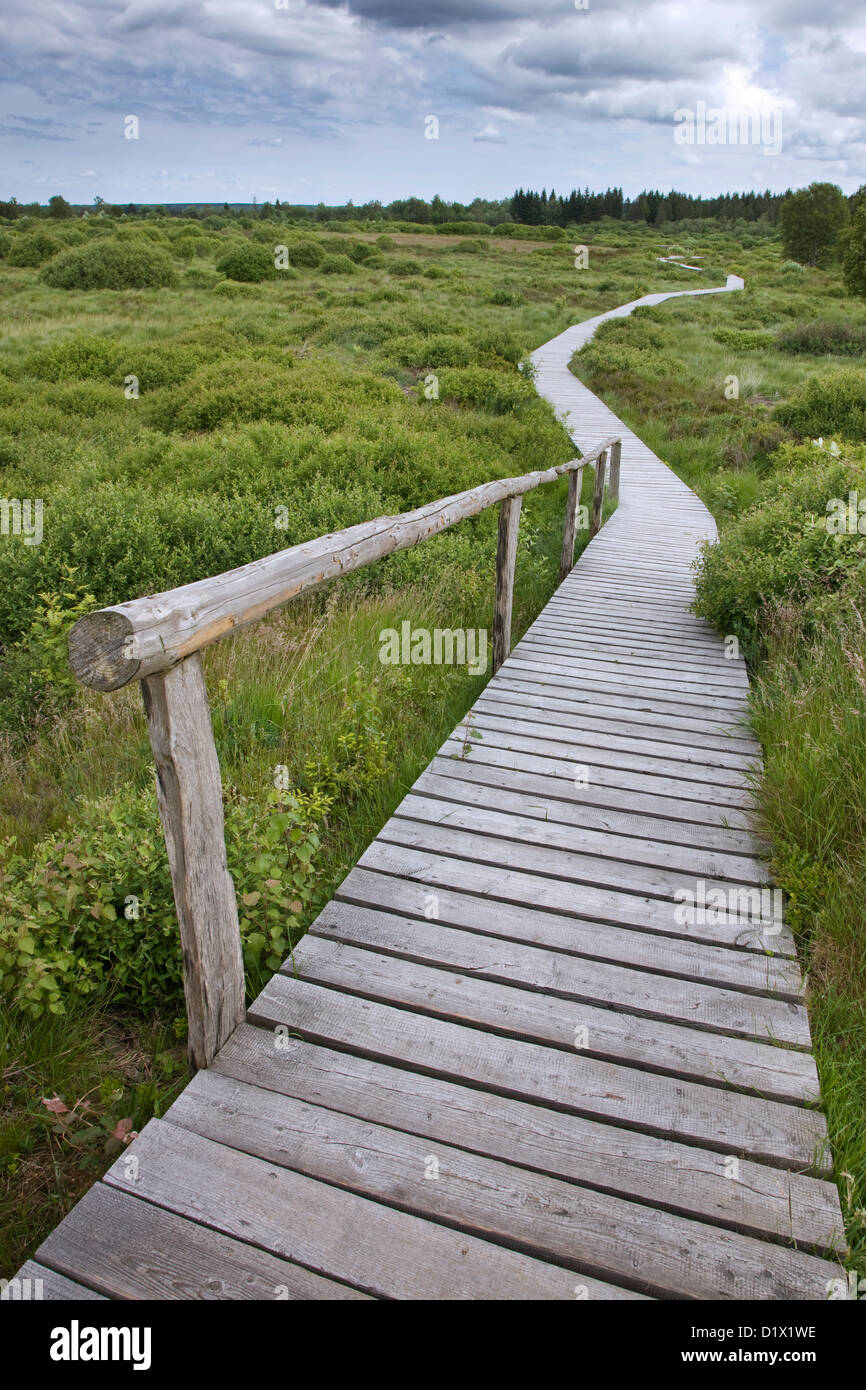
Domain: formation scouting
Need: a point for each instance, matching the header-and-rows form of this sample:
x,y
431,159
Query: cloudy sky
x,y
326,100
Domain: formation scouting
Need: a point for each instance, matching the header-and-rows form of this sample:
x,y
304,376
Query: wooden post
x,y
189,792
566,563
613,477
506,560
597,496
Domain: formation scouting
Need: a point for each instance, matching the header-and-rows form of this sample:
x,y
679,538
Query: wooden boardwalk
x,y
505,1065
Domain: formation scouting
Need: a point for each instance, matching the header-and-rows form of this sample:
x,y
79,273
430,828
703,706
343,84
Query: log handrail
x,y
158,641
130,641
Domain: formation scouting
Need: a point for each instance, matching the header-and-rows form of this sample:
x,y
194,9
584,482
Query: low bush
x,y
248,262
821,338
111,264
827,404
32,250
307,254
337,265
405,265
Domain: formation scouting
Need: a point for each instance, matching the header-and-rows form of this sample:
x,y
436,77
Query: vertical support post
x,y
506,560
189,792
598,495
575,482
613,478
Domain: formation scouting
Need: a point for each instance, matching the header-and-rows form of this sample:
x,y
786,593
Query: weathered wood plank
x,y
610,1033
769,1202
391,1254
405,855
37,1283
681,959
589,1232
784,1136
131,1249
540,970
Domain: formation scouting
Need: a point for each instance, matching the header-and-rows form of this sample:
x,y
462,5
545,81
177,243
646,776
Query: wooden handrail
x,y
130,641
158,640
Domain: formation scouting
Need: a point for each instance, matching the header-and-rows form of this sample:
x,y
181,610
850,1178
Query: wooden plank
x,y
37,1283
655,890
506,560
662,777
681,959
506,716
589,1232
475,782
189,791
494,815
131,1249
612,1033
638,723
691,1181
491,956
405,854
785,1136
390,1254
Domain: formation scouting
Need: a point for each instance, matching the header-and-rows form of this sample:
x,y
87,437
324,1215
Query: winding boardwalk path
x,y
506,1066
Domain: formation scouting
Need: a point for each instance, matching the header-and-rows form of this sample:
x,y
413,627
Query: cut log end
x,y
102,650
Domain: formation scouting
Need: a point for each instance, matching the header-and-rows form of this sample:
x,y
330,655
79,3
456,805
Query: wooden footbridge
x,y
548,1041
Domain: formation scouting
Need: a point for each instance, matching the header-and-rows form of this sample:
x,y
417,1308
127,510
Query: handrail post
x,y
189,792
506,560
598,495
613,477
575,483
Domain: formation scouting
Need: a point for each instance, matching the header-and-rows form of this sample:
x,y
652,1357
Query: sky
x,y
326,100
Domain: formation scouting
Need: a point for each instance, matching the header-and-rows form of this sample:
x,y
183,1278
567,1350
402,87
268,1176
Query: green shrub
x,y
337,265
361,251
435,272
439,350
820,337
793,268
111,264
742,340
385,243
781,551
405,265
474,247
462,229
308,254
248,262
508,298
500,393
33,250
827,404
93,913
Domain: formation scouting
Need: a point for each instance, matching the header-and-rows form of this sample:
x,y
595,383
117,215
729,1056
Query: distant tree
x,y
854,256
58,207
812,222
99,203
